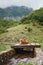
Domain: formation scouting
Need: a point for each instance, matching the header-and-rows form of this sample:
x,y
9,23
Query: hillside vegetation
x,y
23,31
28,28
35,16
4,24
14,12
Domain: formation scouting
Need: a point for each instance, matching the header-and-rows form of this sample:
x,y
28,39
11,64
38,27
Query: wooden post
x,y
34,52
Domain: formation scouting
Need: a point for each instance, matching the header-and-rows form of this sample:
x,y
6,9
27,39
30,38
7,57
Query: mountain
x,y
28,28
14,12
36,15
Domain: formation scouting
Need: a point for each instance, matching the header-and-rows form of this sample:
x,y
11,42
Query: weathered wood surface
x,y
32,45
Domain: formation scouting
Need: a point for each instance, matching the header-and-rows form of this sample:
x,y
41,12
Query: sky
x,y
35,4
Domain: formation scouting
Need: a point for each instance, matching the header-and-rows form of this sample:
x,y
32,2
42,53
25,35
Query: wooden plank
x,y
32,45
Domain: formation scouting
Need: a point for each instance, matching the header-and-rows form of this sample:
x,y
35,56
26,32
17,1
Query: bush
x,y
3,30
34,24
29,29
41,23
25,27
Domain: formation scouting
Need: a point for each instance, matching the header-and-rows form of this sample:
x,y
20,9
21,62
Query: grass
x,y
21,31
25,64
4,47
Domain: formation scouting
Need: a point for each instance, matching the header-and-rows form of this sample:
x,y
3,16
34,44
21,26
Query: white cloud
x,y
30,3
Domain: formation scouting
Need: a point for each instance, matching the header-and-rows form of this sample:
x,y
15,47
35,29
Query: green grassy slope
x,y
29,28
4,24
23,31
4,47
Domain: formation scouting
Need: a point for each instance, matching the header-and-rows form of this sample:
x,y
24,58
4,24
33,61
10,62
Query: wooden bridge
x,y
18,49
26,48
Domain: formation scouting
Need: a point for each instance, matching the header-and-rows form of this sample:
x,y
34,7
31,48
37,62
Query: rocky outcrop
x,y
6,55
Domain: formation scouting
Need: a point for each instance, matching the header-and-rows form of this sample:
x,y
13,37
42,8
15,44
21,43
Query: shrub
x,y
25,27
29,29
41,23
34,24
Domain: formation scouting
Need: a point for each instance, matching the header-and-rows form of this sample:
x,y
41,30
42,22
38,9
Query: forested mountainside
x,y
35,16
29,28
14,12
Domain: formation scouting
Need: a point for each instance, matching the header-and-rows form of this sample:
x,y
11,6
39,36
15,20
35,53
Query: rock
x,y
38,60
